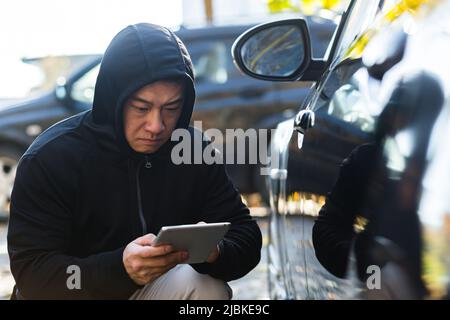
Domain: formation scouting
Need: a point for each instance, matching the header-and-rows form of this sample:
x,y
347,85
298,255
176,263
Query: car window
x,y
346,96
348,92
83,89
362,15
211,61
212,64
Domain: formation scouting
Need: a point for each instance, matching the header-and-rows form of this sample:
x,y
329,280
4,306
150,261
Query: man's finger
x,y
145,240
151,252
167,260
152,274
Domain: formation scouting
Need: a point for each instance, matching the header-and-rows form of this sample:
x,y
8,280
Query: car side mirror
x,y
277,51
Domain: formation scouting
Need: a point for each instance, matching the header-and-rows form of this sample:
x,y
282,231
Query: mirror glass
x,y
277,51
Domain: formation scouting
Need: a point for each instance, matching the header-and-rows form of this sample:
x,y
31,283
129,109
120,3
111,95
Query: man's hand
x,y
144,263
215,253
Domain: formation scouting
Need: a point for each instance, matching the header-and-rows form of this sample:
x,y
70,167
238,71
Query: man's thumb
x,y
145,240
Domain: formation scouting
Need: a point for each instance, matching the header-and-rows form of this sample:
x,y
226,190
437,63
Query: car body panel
x,y
405,220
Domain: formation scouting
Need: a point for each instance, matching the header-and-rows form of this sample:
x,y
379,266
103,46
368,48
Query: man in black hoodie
x,y
91,191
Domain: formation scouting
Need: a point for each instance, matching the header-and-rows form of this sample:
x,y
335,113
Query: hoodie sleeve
x,y
240,250
39,237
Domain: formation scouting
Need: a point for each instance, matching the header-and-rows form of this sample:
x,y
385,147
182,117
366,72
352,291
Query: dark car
x,y
383,86
225,99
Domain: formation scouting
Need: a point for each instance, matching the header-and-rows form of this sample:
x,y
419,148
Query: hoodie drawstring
x,y
139,198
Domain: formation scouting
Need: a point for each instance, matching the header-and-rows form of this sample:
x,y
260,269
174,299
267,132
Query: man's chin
x,y
148,150
147,147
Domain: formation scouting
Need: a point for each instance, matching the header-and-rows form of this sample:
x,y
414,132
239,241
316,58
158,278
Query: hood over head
x,y
137,56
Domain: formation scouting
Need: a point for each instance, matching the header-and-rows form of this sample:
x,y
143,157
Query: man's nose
x,y
154,122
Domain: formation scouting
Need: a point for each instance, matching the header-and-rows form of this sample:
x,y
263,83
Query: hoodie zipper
x,y
147,165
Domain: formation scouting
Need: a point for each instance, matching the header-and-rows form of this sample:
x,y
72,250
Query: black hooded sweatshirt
x,y
81,193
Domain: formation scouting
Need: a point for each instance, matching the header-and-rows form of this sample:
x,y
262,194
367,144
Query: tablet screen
x,y
198,239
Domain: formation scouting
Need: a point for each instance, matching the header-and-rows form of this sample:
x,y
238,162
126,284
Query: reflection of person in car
x,y
334,228
92,191
362,184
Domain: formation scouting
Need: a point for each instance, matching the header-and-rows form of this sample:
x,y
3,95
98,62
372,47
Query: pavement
x,y
253,286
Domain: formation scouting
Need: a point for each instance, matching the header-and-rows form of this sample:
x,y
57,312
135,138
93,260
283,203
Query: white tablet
x,y
198,239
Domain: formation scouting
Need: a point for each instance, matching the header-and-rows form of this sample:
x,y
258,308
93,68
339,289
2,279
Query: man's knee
x,y
184,283
197,286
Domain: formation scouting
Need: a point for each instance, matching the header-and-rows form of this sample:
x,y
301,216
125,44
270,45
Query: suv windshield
x,y
38,75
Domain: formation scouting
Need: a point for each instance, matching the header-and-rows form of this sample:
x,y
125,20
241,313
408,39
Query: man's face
x,y
151,114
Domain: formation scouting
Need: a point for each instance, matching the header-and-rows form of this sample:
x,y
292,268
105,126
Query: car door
x,y
343,122
299,184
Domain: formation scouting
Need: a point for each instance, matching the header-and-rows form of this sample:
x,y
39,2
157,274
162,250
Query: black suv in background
x,y
225,99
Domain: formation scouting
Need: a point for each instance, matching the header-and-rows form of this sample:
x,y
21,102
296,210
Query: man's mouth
x,y
150,141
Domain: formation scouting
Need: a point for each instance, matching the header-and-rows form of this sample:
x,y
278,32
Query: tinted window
x,y
212,61
211,66
346,96
83,89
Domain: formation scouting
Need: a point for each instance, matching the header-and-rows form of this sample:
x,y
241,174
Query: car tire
x,y
9,158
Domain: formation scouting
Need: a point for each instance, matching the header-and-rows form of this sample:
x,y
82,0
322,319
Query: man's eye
x,y
139,109
172,108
